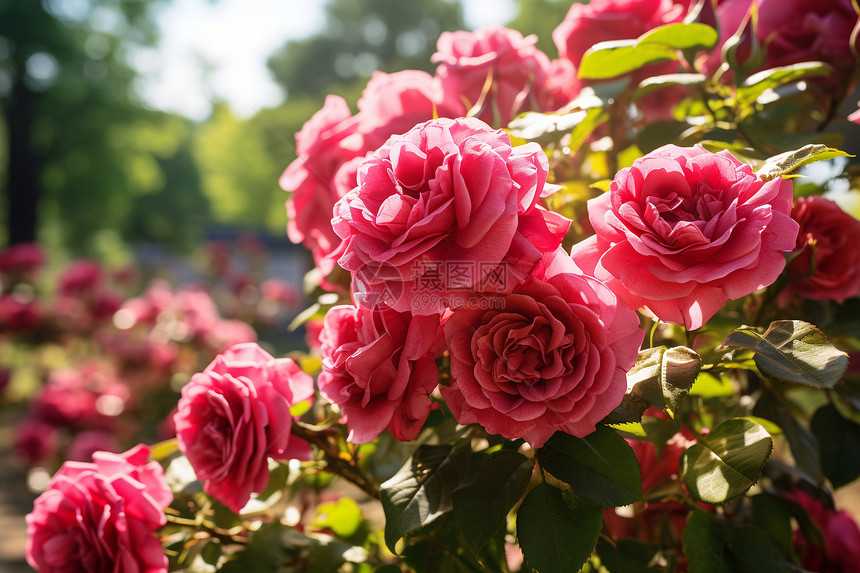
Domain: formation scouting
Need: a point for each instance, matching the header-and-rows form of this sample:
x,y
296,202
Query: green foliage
x,y
727,461
794,351
840,441
600,467
556,537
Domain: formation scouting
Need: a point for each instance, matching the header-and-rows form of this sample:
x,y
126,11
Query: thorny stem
x,y
333,457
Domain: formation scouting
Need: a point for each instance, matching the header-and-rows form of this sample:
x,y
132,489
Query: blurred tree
x,y
541,17
362,36
81,149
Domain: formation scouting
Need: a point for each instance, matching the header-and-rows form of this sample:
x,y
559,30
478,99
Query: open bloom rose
x,y
683,230
840,533
828,266
447,192
553,356
379,366
101,516
496,66
235,415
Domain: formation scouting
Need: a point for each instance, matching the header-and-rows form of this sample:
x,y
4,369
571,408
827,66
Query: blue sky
x,y
231,40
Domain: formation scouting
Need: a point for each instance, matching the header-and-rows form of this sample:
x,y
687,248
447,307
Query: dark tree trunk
x,y
22,186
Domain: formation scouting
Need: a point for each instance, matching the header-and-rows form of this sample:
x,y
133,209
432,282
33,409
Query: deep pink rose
x,y
22,259
855,116
841,535
551,357
517,69
323,145
36,441
19,314
84,445
793,31
89,396
235,415
448,192
683,230
605,20
392,104
379,366
828,266
101,516
80,278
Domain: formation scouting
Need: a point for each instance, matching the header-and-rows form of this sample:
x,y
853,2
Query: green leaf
x,y
163,450
600,467
709,386
659,133
343,517
681,36
654,83
661,377
771,514
483,501
772,78
727,461
610,59
627,555
804,445
794,351
421,491
839,440
754,552
704,539
545,128
554,537
784,163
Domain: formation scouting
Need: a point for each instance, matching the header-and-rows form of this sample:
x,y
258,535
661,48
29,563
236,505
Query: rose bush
x,y
379,366
683,230
450,191
101,516
550,357
235,415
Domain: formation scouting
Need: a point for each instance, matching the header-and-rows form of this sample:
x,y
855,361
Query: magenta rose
x,y
793,31
517,69
447,193
323,146
379,366
101,516
605,20
683,230
840,533
828,264
553,356
235,415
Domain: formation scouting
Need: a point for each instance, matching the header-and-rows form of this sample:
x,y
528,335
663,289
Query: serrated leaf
x,y
785,163
704,541
681,36
600,467
421,491
483,501
614,58
653,83
772,78
839,440
794,351
554,537
727,461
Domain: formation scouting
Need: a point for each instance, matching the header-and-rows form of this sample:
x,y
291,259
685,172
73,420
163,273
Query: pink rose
x,y
828,266
553,356
683,230
394,103
22,259
19,314
80,278
841,550
605,20
235,415
84,445
795,31
323,146
36,441
379,366
101,516
518,72
448,192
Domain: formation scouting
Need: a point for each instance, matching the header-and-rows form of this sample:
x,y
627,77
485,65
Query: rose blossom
x,y
793,31
839,531
553,356
517,68
828,265
101,516
323,146
448,191
379,366
235,415
683,230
